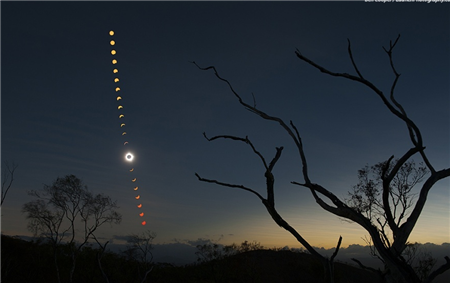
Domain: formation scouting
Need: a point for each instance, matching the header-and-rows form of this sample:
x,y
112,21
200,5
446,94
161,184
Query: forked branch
x,y
439,271
245,140
230,185
389,252
295,136
269,202
7,179
414,132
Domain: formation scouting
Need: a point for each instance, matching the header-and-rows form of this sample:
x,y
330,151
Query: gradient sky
x,y
59,113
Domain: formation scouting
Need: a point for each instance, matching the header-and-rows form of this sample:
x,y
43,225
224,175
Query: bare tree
x,y
366,195
65,208
139,250
269,201
396,266
99,258
7,179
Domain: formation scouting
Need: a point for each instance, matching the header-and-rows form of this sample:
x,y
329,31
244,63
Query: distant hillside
x,y
32,261
261,266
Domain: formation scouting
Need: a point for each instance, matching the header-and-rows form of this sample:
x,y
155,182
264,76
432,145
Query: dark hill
x,y
262,266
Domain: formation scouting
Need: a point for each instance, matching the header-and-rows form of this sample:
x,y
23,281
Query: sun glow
x,y
129,157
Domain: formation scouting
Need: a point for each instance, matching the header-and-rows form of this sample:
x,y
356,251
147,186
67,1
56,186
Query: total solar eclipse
x,y
129,156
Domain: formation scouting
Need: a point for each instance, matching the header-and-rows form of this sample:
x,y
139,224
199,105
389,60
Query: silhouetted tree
x,y
7,178
269,201
396,266
139,249
67,213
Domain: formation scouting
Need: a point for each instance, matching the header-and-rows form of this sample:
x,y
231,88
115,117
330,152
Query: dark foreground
x,y
24,262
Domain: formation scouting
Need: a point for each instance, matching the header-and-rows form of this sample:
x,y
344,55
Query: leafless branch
x,y
254,100
7,179
246,140
99,257
389,252
353,61
412,128
269,203
265,116
337,248
439,271
229,185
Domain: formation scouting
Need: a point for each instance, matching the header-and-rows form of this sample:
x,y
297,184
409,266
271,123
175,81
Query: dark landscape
x,y
24,261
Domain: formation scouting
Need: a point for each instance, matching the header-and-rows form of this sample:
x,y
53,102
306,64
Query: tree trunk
x,y
55,257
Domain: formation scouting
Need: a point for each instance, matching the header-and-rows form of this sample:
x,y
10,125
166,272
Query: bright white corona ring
x,y
129,156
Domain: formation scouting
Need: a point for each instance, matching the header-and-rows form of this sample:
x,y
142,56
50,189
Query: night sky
x,y
59,111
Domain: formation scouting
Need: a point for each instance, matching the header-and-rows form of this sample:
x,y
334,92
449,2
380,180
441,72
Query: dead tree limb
x,y
7,179
269,201
391,253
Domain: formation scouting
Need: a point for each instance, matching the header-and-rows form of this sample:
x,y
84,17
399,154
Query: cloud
x,y
195,243
121,238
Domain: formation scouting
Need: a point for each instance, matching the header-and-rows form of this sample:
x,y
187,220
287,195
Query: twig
x,y
353,61
230,185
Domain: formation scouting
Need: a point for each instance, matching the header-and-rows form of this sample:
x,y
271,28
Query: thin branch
x,y
146,274
269,203
439,271
99,258
407,227
254,100
353,61
246,140
418,142
387,186
410,124
337,249
263,115
275,159
8,177
302,153
230,185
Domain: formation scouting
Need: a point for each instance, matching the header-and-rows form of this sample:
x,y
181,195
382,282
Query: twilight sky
x,y
59,113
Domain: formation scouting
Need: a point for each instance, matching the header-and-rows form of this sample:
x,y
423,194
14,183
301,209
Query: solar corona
x,y
129,157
